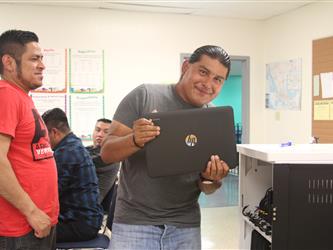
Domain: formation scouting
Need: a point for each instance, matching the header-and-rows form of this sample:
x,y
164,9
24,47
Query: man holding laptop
x,y
163,212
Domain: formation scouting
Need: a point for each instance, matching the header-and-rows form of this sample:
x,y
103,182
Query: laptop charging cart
x,y
301,177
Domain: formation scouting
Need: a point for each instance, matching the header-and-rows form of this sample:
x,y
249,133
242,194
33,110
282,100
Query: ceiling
x,y
258,10
241,9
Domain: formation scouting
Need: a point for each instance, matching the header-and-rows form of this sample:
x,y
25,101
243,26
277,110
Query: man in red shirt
x,y
28,177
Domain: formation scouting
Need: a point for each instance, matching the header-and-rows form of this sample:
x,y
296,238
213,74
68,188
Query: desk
x,y
302,180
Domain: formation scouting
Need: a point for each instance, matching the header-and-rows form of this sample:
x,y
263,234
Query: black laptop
x,y
188,138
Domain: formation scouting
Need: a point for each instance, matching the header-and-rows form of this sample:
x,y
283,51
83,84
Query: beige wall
x,y
144,48
290,36
140,47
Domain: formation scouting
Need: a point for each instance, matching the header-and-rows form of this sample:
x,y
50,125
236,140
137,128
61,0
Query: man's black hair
x,y
56,118
105,120
12,42
214,52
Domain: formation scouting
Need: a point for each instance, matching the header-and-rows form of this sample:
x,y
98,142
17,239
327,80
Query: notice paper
x,y
326,84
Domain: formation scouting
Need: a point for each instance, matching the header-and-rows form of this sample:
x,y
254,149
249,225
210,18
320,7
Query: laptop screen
x,y
188,138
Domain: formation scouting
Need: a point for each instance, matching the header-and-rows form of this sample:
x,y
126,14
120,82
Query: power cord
x,y
256,218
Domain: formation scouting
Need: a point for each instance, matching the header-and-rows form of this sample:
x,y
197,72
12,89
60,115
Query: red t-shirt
x,y
30,156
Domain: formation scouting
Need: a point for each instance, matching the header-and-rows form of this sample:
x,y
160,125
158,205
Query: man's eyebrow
x,y
204,67
210,72
37,55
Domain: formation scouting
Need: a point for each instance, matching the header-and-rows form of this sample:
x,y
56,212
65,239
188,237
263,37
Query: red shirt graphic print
x,y
40,145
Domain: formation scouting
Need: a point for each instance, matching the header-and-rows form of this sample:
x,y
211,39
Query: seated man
x,y
80,212
106,173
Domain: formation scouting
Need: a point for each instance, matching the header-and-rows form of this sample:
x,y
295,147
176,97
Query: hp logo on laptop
x,y
191,140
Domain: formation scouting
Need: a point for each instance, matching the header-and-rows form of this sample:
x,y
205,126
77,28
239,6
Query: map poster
x,y
284,85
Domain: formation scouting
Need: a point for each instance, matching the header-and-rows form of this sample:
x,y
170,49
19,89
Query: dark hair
x,y
214,52
56,118
104,120
12,42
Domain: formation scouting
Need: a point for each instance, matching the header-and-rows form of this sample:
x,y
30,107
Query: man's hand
x,y
11,190
40,222
216,169
144,131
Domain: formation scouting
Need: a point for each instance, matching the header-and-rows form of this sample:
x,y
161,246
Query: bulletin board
x,y
322,89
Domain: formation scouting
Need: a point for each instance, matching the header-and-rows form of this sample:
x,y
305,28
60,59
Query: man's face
x,y
29,71
100,131
52,137
201,81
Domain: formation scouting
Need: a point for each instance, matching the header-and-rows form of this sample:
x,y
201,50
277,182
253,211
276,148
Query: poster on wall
x,y
54,74
85,110
284,85
86,71
44,102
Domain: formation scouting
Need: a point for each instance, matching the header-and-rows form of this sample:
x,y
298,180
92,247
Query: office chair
x,y
101,241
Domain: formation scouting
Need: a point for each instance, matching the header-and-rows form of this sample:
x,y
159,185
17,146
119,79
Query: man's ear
x,y
8,63
55,131
185,66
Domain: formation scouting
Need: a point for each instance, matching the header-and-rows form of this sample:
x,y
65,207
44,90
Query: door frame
x,y
245,62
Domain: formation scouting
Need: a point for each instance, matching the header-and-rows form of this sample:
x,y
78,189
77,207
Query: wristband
x,y
137,145
205,181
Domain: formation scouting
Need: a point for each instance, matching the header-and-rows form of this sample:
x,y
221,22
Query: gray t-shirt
x,y
154,201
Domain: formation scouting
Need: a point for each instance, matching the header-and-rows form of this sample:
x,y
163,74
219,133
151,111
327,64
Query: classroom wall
x,y
144,47
287,37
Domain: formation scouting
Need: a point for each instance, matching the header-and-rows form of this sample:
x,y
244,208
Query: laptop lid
x,y
188,138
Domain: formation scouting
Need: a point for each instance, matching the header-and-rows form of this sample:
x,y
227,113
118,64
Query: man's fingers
x,y
38,234
216,169
147,139
148,134
144,131
143,121
147,128
209,168
144,124
225,168
42,233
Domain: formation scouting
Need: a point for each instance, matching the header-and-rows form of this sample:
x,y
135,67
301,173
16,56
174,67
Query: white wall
x,y
287,37
143,47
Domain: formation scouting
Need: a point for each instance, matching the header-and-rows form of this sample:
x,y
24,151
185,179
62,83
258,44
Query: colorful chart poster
x,y
86,71
44,102
85,110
